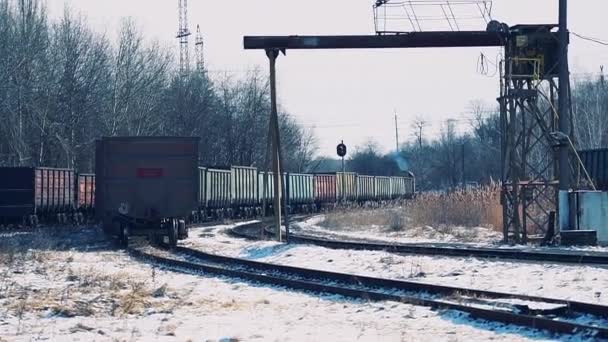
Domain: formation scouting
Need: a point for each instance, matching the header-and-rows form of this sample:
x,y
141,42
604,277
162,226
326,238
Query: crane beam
x,y
406,40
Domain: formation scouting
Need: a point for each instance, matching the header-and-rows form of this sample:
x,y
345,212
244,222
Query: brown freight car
x,y
86,193
146,186
325,190
31,194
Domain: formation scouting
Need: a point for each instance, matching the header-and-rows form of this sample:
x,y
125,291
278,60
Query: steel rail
x,y
584,258
443,249
373,282
530,321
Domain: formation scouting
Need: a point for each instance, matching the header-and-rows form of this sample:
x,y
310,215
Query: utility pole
x,y
396,133
564,84
564,112
198,46
182,34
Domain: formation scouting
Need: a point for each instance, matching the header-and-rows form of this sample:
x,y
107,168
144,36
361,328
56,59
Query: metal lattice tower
x,y
530,117
199,45
182,34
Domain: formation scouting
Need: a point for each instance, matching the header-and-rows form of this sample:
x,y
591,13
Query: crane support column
x,y
280,191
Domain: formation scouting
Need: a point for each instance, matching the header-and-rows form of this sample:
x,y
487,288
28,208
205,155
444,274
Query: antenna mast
x,y
198,45
182,34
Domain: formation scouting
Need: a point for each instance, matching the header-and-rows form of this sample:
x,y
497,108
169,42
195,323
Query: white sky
x,y
349,95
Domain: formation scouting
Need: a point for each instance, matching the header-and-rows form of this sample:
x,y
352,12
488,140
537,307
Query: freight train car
x,y
265,191
33,194
146,186
200,214
403,187
86,194
139,170
596,163
325,190
346,186
300,192
366,188
244,190
383,188
219,193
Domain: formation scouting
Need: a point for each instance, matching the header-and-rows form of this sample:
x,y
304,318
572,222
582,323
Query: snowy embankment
x,y
581,283
76,287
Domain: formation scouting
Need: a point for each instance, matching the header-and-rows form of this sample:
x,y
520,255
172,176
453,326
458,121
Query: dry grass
x,y
443,211
469,208
38,275
85,293
363,218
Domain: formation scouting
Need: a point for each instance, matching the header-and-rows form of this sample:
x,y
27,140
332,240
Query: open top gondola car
x,y
30,194
146,186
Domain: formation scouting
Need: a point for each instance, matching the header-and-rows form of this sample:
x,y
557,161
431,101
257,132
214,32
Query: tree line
x,y
65,85
447,160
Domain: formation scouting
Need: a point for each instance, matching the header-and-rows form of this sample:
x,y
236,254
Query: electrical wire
x,y
591,39
418,12
482,65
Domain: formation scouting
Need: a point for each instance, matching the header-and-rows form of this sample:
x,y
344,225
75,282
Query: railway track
x,y
552,315
442,249
586,258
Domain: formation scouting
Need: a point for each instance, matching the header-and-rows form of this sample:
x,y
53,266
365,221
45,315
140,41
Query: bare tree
x,y
590,104
25,29
418,126
66,86
80,67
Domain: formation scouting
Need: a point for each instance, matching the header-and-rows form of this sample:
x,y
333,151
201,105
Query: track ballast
x,y
553,315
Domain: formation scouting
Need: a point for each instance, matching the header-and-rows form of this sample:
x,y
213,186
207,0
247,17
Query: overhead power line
x,y
591,39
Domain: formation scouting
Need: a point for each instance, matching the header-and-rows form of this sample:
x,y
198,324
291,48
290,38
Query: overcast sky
x,y
349,95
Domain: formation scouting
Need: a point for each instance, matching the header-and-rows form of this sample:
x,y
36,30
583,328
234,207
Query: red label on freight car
x,y
149,173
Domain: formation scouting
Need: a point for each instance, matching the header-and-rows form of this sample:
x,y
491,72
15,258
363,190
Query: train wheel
x,y
122,231
173,233
182,230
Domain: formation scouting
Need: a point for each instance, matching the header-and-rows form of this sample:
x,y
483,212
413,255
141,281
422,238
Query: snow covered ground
x,y
471,236
581,283
75,287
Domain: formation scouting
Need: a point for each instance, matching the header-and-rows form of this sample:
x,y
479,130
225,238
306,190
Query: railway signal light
x,y
341,149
